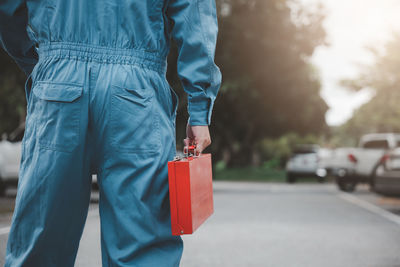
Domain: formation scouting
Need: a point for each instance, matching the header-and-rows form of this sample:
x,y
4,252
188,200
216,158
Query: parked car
x,y
360,164
10,154
386,179
342,166
307,161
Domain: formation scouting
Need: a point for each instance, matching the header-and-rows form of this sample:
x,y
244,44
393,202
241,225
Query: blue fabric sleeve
x,y
13,34
195,28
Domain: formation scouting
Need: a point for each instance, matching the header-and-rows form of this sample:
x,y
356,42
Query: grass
x,y
256,174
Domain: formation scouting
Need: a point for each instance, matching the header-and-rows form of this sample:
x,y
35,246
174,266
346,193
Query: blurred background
x,y
310,94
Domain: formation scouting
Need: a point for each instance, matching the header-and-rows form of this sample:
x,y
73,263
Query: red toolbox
x,y
190,192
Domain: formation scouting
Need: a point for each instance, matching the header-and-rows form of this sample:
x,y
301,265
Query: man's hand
x,y
197,135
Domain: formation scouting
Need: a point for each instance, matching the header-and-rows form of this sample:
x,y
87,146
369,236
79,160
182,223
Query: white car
x,y
361,163
371,149
342,166
386,179
307,161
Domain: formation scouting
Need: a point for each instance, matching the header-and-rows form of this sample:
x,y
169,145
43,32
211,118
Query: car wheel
x,y
372,184
373,177
346,186
290,178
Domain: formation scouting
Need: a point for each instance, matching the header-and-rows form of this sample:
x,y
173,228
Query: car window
x,y
376,144
303,151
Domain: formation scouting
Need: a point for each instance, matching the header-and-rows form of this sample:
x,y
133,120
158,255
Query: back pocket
x,y
134,120
57,112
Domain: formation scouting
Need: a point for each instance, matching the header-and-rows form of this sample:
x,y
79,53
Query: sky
x,y
351,26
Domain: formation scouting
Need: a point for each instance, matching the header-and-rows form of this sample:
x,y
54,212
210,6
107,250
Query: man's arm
x,y
195,29
13,35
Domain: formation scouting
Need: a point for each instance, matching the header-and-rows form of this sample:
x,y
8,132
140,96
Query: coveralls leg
x,y
117,119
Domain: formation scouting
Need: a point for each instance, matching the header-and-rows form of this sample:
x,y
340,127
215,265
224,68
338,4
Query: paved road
x,y
282,225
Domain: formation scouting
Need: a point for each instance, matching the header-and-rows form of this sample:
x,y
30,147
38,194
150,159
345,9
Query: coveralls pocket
x,y
134,120
56,114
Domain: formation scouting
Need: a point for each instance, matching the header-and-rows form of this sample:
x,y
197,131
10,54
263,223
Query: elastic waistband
x,y
103,54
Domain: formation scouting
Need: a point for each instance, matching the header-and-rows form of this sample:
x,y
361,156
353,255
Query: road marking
x,y
92,213
370,207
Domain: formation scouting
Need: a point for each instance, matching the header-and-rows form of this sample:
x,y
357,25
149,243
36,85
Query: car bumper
x,y
342,172
307,173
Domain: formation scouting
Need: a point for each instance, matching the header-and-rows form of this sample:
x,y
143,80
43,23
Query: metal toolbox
x,y
191,192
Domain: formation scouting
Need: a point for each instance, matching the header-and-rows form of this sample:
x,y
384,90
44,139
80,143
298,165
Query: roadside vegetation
x,y
382,112
258,174
270,89
255,174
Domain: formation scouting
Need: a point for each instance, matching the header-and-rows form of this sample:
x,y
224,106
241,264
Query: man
x,y
98,102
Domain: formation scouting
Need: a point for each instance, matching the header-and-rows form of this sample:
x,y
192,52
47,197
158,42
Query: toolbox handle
x,y
190,151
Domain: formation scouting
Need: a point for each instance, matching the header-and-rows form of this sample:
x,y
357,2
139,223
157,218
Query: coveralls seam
x,y
27,120
32,76
209,57
48,20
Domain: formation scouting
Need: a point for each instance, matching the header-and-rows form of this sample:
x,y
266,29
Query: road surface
x,y
262,224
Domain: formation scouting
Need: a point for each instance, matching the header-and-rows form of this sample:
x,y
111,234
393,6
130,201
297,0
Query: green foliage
x,y
272,164
256,174
12,96
269,87
339,137
276,151
259,174
382,113
219,166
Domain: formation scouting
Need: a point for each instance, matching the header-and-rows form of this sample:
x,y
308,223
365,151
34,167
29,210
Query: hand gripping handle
x,y
190,151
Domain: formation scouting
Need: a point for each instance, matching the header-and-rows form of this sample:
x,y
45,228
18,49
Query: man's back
x,y
123,24
99,103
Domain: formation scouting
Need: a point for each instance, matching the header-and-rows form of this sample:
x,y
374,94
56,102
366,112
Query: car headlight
x,y
321,172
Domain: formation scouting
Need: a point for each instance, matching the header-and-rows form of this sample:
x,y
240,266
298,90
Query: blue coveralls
x,y
100,103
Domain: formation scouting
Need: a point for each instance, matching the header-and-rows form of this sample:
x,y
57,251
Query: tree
x,y
12,94
269,87
382,112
